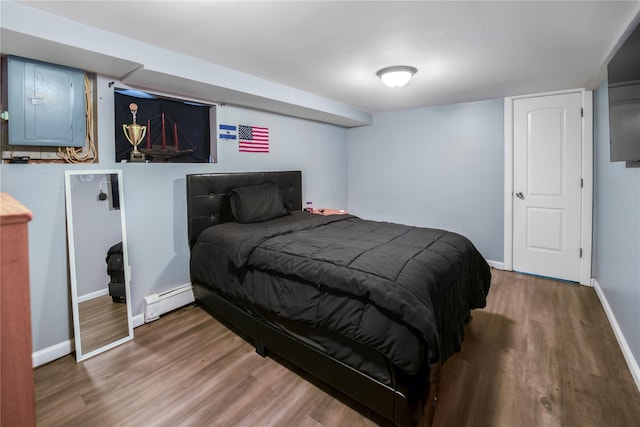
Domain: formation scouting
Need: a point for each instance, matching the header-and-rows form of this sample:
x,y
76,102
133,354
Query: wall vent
x,y
159,304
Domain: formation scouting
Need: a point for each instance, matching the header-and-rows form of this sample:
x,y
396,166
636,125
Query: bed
x,y
365,306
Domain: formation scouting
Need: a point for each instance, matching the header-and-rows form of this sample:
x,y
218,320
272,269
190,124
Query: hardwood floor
x,y
102,321
541,353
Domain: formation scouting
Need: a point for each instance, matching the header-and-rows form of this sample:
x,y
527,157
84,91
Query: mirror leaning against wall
x,y
98,261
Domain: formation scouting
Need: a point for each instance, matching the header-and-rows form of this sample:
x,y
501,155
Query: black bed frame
x,y
207,205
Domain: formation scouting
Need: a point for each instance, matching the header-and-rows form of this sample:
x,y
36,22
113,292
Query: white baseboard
x,y
52,353
59,350
622,341
496,264
138,320
93,295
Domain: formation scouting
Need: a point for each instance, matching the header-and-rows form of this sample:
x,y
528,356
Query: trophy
x,y
135,134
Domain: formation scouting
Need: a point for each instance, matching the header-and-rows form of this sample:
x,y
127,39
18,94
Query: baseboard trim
x,y
622,341
52,353
496,264
93,295
59,350
138,320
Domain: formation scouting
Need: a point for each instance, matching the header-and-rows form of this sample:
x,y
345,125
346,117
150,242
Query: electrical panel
x,y
46,104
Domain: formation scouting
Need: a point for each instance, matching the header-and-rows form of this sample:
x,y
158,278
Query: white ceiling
x,y
464,50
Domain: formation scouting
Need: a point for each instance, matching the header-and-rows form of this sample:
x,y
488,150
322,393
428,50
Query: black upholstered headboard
x,y
208,203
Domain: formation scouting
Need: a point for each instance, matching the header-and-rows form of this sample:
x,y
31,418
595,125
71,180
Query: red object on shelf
x,y
175,135
164,135
323,211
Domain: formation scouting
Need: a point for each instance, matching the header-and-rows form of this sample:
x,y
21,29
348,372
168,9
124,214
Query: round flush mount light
x,y
396,76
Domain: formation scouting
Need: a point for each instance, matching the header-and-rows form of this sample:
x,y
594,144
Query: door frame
x,y
586,204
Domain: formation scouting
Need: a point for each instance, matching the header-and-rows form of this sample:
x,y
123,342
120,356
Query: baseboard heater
x,y
159,304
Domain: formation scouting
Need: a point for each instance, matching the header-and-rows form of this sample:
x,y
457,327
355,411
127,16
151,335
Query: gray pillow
x,y
257,203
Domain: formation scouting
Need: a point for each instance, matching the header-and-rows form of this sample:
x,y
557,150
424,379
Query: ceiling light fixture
x,y
397,76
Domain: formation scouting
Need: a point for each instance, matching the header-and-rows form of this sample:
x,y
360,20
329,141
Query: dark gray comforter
x,y
398,289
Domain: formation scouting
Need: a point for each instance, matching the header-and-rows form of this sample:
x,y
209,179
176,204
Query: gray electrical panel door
x,y
46,104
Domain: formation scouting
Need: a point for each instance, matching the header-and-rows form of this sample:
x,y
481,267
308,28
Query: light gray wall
x,y
96,227
616,252
154,199
439,167
36,34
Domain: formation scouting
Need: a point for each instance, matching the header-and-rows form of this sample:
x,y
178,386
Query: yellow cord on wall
x,y
73,154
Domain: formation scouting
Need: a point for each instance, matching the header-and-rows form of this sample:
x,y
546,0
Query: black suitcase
x,y
115,269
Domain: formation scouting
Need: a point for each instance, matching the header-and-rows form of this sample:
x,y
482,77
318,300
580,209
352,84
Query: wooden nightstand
x,y
323,211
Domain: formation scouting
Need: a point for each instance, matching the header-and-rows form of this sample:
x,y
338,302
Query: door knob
x,y
519,195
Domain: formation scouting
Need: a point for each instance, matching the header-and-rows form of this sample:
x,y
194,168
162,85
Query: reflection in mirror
x,y
98,261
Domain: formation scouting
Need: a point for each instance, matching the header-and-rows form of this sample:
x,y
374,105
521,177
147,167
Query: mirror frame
x,y
80,355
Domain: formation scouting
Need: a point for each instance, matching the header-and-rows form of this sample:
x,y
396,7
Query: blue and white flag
x,y
228,132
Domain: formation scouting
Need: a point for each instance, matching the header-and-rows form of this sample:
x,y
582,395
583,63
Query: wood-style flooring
x,y
102,322
542,353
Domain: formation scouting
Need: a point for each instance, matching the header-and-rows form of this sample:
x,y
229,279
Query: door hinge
x,y
580,252
581,182
582,112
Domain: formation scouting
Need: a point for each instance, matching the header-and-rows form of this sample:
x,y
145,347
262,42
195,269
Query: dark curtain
x,y
115,191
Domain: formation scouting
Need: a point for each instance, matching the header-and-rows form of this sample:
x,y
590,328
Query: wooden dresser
x,y
17,404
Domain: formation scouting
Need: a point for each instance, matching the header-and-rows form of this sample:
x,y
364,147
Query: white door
x,y
547,185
